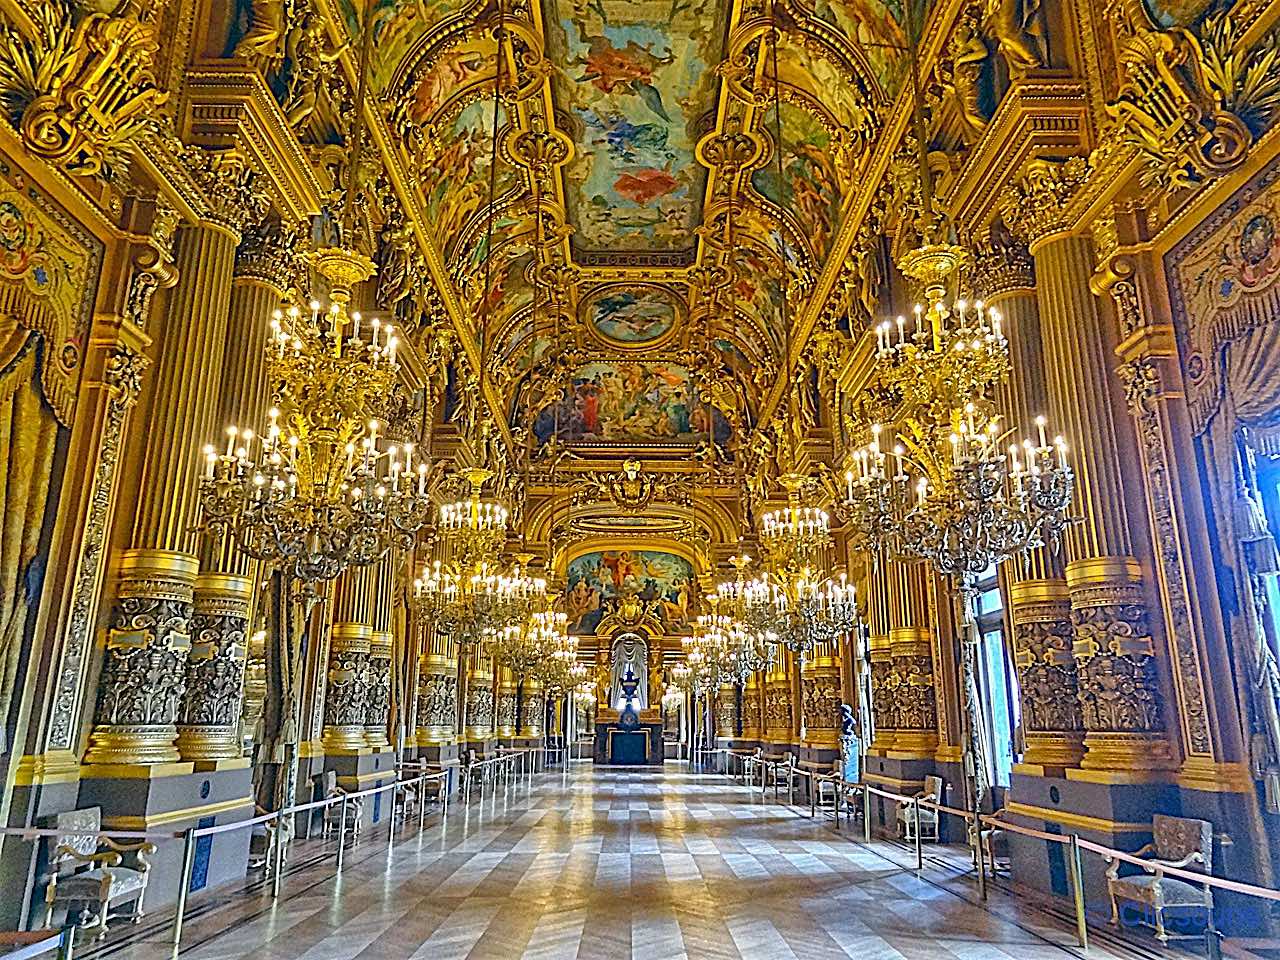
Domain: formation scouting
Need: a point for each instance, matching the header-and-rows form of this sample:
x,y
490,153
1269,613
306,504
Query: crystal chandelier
x,y
557,668
318,490
794,536
802,611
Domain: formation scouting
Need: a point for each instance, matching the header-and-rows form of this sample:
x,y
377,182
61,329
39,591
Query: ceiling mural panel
x,y
663,582
456,180
636,78
631,315
451,73
629,402
810,187
877,29
398,26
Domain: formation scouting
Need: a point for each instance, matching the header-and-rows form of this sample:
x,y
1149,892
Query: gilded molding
x,y
211,705
1037,207
123,380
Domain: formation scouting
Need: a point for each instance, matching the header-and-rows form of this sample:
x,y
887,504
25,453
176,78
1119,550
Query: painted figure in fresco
x,y
630,583
629,70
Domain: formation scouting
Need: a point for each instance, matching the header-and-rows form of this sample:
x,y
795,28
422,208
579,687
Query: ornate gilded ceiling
x,y
620,292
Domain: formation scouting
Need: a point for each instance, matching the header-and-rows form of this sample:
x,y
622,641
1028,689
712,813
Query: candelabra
x,y
753,646
802,611
318,490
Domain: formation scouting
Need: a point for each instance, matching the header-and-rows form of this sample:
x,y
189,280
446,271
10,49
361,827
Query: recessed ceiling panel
x,y
636,77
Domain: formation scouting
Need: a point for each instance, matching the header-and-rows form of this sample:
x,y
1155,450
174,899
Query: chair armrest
x,y
1195,856
1113,871
108,858
141,850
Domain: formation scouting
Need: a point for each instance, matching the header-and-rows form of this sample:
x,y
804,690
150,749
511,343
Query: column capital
x,y
1002,266
1037,206
270,253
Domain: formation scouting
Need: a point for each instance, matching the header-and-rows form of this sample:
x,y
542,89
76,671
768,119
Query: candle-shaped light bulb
x,y
1040,422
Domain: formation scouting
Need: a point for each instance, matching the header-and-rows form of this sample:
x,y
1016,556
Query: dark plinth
x,y
630,745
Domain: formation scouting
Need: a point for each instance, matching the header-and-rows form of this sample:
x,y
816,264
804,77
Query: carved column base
x,y
531,710
726,712
1040,614
777,710
346,694
916,736
144,670
1120,701
437,713
884,695
480,706
378,694
820,701
506,705
208,722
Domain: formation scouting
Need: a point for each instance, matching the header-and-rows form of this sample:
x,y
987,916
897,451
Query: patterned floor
x,y
614,864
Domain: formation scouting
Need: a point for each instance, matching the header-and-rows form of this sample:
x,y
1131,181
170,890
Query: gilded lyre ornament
x,y
1193,101
82,90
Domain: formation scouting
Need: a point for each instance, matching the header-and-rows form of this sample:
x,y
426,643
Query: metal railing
x,y
508,767
1074,845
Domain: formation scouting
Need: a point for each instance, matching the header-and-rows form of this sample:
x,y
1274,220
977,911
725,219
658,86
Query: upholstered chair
x,y
1179,842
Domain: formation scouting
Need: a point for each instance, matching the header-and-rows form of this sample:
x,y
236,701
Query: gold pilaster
x,y
208,721
884,680
726,711
378,690
752,728
779,713
911,646
821,698
437,713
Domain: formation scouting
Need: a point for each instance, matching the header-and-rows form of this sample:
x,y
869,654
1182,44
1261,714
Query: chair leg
x,y
1161,934
1115,907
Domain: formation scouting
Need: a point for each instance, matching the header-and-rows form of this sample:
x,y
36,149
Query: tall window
x,y
996,681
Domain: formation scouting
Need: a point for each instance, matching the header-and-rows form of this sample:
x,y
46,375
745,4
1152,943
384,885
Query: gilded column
x,y
505,705
911,645
479,712
1039,606
381,643
1112,644
149,630
531,703
346,696
884,679
212,703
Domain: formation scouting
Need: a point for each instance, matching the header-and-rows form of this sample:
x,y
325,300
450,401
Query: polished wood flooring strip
x,y
605,864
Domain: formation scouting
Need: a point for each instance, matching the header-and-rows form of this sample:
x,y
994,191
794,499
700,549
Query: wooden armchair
x,y
87,874
1178,842
928,820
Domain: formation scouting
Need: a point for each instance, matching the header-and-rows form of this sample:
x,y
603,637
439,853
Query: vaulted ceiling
x,y
628,132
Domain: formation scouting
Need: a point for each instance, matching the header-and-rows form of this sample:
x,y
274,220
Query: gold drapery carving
x,y
28,431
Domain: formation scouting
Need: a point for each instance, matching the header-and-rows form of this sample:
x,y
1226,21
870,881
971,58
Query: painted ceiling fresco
x,y
636,77
633,107
632,315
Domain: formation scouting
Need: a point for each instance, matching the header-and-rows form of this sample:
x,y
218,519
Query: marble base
x,y
133,800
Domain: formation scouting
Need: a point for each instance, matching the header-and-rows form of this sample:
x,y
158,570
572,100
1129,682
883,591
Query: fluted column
x,y
211,705
1118,688
149,631
884,692
506,705
1035,587
531,708
348,680
381,644
911,644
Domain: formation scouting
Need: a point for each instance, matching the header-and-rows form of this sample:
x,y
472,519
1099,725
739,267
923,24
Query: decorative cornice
x,y
1037,207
